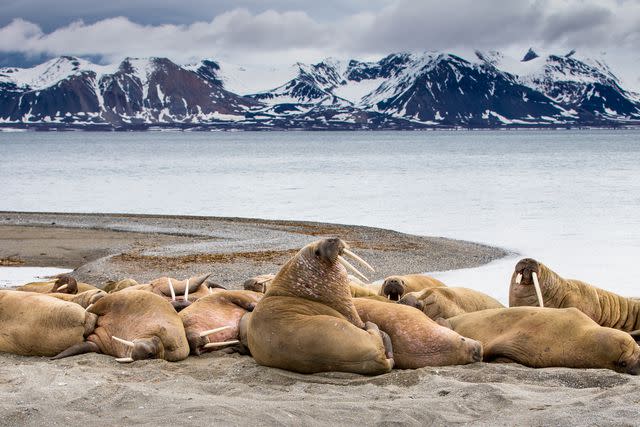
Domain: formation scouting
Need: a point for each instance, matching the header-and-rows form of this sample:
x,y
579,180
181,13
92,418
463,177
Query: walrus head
x,y
623,352
318,272
145,348
258,283
413,299
65,284
526,273
393,288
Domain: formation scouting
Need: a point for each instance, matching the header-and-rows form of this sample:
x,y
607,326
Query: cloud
x,y
291,30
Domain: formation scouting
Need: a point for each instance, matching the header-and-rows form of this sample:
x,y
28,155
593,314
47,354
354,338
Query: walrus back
x,y
305,336
34,324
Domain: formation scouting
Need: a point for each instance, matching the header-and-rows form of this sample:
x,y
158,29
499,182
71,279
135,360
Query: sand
x,y
223,389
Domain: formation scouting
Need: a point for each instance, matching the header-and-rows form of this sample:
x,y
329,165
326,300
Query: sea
x,y
568,198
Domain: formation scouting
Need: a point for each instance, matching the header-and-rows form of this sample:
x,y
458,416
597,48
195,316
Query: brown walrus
x,y
134,325
394,287
307,321
417,340
63,284
36,324
83,299
212,322
120,285
447,302
604,307
181,293
258,283
548,337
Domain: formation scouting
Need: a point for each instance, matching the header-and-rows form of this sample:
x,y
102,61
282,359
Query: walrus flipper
x,y
82,348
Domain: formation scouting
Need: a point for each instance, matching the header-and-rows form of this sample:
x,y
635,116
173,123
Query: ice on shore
x,y
16,276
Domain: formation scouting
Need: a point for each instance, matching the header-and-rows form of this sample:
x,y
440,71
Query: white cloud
x,y
281,36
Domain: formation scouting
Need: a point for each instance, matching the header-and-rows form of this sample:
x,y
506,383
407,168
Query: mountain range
x,y
400,91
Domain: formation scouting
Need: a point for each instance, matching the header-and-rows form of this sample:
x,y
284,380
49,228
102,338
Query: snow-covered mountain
x,y
401,91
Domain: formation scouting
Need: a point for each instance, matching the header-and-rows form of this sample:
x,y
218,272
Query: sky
x,y
288,31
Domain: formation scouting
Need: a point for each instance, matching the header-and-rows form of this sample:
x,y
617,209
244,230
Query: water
x,y
568,198
15,276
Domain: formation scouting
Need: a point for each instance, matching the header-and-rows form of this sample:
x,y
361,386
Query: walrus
x,y
84,299
134,325
548,337
212,322
181,293
394,287
417,340
604,307
258,283
448,302
36,324
63,284
307,322
119,285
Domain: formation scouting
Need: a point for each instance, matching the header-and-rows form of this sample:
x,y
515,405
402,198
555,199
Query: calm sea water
x,y
568,198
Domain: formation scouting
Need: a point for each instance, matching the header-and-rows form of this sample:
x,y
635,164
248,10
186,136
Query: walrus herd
x,y
317,314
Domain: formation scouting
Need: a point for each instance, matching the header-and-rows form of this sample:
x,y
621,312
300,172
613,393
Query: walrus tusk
x,y
536,285
186,291
357,258
213,331
351,268
173,291
125,342
62,288
124,360
88,307
210,291
519,278
220,344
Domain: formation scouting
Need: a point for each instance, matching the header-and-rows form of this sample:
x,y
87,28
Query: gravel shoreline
x,y
103,247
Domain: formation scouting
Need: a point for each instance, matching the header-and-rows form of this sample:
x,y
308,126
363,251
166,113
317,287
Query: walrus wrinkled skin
x,y
146,321
36,324
604,307
548,337
394,287
220,309
58,286
448,302
307,322
417,340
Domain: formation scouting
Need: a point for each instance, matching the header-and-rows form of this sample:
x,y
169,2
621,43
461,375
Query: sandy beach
x,y
218,389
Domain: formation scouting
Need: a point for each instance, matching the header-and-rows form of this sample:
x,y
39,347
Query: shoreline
x,y
103,247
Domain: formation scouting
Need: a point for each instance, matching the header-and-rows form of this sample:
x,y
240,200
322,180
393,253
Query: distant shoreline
x,y
102,247
228,127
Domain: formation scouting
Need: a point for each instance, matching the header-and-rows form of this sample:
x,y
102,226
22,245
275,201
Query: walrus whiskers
x,y
173,291
519,278
220,344
351,268
536,285
125,342
62,288
357,258
124,359
213,331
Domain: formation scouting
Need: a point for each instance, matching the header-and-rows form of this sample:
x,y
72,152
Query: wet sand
x,y
221,389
